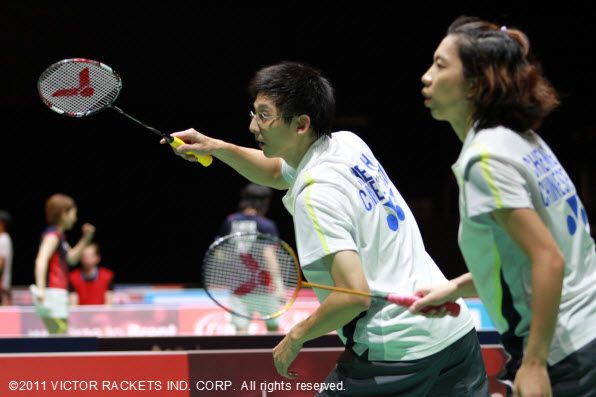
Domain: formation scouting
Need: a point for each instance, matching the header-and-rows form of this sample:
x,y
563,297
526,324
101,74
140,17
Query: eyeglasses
x,y
262,118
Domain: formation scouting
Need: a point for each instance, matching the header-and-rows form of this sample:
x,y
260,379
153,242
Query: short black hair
x,y
255,196
297,89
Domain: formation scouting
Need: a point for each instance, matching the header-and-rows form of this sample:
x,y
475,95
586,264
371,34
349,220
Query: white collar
x,y
313,152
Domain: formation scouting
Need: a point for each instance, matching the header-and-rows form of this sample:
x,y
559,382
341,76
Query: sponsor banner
x,y
101,321
10,321
207,321
201,319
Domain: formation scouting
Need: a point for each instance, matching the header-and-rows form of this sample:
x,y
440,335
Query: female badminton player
x,y
54,256
524,232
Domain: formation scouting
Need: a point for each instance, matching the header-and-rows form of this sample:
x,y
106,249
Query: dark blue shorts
x,y
458,370
575,375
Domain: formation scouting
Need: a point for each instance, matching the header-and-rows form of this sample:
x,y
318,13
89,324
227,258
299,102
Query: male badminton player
x,y
353,230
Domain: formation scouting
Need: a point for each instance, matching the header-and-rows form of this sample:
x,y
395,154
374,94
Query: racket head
x,y
78,87
252,275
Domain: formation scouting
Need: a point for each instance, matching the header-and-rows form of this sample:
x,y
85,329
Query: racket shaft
x,y
173,141
154,130
452,308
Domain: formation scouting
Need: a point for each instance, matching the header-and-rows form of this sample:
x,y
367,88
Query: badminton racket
x,y
81,87
255,275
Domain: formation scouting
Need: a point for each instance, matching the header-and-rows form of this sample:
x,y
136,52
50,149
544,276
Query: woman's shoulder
x,y
498,145
502,134
52,232
501,141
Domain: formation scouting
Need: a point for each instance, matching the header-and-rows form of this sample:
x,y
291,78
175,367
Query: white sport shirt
x,y
498,168
6,253
342,199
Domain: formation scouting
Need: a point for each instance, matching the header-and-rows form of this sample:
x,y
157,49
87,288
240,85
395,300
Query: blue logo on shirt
x,y
553,181
372,192
572,219
392,220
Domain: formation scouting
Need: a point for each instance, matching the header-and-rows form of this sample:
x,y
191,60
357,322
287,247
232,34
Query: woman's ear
x,y
471,85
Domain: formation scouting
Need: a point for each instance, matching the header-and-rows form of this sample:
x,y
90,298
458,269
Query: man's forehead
x,y
264,101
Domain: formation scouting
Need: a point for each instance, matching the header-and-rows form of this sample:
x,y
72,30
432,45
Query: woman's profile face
x,y
445,90
69,218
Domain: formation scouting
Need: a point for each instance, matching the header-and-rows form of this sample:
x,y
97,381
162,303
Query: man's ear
x,y
303,124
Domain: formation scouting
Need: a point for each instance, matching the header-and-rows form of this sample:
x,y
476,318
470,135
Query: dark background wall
x,y
186,65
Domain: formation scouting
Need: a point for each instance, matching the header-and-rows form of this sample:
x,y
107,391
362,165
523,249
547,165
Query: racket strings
x,y
250,275
79,88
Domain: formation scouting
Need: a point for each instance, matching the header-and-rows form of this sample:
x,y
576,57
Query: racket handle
x,y
205,160
452,307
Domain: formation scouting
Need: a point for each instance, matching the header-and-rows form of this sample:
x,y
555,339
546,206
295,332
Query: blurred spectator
x,y
5,258
91,284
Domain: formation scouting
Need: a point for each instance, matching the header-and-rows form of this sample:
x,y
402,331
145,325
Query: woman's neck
x,y
462,127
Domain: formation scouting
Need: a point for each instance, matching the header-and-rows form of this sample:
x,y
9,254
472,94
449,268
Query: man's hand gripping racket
x,y
255,275
81,87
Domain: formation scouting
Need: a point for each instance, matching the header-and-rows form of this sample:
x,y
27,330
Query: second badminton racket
x,y
256,275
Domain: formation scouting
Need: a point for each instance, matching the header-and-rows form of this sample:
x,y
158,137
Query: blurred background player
x,y
50,291
5,258
91,284
250,217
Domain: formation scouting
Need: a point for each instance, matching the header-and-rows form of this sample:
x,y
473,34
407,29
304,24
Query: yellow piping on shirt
x,y
312,215
488,176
